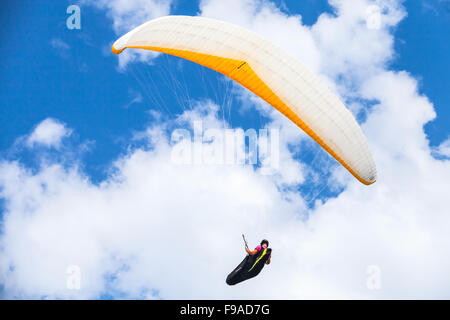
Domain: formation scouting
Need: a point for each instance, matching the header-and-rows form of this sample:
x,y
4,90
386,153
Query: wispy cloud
x,y
59,44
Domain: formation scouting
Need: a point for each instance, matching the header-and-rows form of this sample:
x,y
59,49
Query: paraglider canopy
x,y
269,72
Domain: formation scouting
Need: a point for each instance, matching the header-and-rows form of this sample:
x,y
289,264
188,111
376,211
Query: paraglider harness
x,y
250,267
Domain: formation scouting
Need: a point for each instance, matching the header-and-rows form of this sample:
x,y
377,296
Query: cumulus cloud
x,y
130,234
119,232
48,133
350,44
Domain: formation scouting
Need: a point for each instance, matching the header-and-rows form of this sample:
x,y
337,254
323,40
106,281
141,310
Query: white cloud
x,y
129,224
348,45
266,19
444,148
48,133
154,222
128,14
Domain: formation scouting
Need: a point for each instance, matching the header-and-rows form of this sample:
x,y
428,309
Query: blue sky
x,y
80,85
103,166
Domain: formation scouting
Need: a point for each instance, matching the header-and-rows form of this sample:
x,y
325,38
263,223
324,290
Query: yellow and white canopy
x,y
269,72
